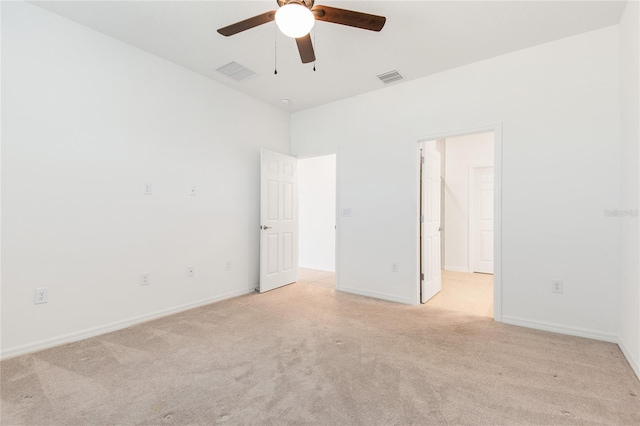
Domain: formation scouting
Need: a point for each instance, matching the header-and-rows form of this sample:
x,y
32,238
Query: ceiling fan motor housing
x,y
307,3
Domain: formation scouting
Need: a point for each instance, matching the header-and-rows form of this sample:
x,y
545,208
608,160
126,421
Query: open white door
x,y
482,217
431,279
278,220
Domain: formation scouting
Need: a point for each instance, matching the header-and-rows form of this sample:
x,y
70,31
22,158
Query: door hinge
x,y
421,218
421,160
421,277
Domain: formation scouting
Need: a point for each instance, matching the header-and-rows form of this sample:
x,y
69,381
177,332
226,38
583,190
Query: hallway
x,y
471,294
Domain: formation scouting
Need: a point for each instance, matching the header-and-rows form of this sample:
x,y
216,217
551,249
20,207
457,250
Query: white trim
x,y
497,211
418,179
457,269
561,329
497,223
579,332
114,326
337,223
632,362
376,295
576,331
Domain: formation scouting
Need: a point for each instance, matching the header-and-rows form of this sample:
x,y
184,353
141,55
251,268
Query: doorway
x,y
465,220
317,220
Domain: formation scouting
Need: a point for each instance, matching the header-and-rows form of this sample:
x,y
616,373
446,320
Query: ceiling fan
x,y
295,18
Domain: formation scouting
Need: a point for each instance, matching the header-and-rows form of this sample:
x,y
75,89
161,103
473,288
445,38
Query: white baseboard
x,y
114,326
580,332
375,295
317,267
630,359
456,269
561,329
96,331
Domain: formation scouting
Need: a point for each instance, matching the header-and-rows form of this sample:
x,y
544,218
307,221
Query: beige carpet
x,y
306,355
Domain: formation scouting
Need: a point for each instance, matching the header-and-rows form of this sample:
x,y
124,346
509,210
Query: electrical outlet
x,y
227,266
192,191
394,267
145,279
556,286
41,295
190,271
146,190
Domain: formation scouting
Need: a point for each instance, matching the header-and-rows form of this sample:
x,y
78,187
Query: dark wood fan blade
x,y
247,24
305,47
349,17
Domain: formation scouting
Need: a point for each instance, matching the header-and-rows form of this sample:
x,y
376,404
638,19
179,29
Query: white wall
x,y
461,153
317,212
559,108
87,120
630,135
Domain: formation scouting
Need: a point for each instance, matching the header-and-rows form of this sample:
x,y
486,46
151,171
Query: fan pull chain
x,y
314,47
275,49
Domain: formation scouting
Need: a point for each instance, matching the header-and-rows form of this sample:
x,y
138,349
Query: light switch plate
x,y
41,295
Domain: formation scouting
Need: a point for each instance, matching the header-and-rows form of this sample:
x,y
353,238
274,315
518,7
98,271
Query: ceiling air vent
x,y
390,77
236,71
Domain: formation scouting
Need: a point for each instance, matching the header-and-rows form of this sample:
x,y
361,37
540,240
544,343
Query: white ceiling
x,y
419,38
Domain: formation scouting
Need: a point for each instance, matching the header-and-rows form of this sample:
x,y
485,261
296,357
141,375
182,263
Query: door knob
x,y
265,227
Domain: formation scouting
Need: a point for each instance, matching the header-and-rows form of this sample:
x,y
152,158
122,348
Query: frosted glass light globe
x,y
294,20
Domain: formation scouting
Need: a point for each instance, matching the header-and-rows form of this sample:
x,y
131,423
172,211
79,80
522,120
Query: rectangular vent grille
x,y
390,77
236,71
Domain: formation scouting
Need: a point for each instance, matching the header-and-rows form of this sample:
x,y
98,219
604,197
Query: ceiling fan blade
x,y
247,24
305,47
349,17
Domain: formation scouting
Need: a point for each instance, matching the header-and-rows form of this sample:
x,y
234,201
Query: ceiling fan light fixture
x,y
294,20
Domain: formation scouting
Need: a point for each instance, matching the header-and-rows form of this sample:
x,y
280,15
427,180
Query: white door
x,y
431,281
278,220
483,220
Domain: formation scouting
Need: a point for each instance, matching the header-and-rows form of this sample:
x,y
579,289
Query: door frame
x,y
497,207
